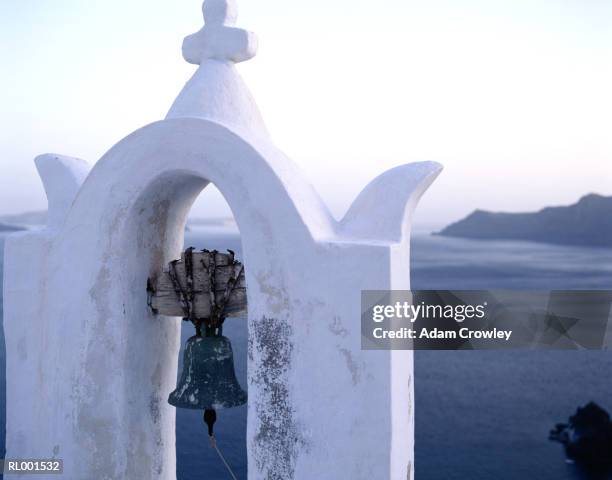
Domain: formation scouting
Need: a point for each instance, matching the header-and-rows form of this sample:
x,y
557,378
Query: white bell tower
x,y
89,367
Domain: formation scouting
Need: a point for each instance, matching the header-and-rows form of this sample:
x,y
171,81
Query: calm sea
x,y
479,414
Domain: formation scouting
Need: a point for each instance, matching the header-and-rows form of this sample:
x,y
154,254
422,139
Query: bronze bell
x,y
208,380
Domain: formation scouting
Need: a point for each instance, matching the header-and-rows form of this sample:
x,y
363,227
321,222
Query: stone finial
x,y
220,12
219,39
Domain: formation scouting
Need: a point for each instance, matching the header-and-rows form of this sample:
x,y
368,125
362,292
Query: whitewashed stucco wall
x,y
89,368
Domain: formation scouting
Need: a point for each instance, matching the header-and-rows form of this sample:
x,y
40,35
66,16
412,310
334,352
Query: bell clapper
x,y
210,417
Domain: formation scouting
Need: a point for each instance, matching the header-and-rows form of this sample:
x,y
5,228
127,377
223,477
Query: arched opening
x,y
180,209
211,225
129,217
162,228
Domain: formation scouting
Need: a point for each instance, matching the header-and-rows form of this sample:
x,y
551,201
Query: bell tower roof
x,y
216,91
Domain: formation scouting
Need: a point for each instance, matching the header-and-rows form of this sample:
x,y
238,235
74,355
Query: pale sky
x,y
514,97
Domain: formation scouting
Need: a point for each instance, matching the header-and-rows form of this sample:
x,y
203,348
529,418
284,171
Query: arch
x,y
125,223
106,364
251,174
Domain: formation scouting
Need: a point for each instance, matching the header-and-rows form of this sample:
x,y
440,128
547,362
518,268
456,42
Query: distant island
x,y
4,228
211,222
36,219
587,222
27,219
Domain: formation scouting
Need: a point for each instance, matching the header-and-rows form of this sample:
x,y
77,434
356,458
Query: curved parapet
x,y
382,210
62,178
182,156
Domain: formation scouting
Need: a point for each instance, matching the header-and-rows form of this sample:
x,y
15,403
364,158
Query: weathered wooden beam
x,y
208,269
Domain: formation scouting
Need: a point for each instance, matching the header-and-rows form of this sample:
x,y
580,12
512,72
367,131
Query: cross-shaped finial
x,y
219,39
220,12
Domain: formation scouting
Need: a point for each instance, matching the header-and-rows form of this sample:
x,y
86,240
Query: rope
x,y
211,268
178,288
217,306
186,294
213,444
189,279
231,285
